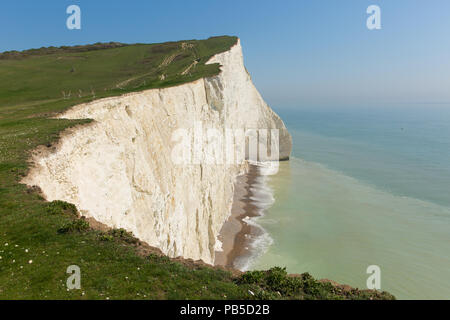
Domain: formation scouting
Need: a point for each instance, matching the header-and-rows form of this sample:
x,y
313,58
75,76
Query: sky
x,y
300,53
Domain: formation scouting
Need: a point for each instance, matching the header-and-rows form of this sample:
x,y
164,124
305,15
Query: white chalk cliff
x,y
119,169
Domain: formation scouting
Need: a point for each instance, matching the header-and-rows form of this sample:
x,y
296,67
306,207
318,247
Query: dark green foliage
x,y
78,225
277,279
123,235
60,207
120,235
277,284
252,277
105,237
159,259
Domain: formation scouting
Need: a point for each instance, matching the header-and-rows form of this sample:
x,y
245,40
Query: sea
x,y
365,186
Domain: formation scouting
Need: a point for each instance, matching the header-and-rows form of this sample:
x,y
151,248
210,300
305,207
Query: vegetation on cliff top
x,y
39,240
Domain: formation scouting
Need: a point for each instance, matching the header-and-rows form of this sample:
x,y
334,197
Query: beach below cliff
x,y
242,239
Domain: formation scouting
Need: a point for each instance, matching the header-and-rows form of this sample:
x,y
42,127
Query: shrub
x,y
275,283
310,285
59,207
124,235
106,237
262,294
118,234
78,225
276,279
159,258
252,277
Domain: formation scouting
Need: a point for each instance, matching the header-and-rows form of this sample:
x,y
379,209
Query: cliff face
x,y
120,169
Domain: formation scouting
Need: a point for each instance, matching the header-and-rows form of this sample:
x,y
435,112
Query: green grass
x,y
39,240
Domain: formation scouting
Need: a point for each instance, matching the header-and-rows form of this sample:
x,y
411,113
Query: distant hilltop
x,y
13,54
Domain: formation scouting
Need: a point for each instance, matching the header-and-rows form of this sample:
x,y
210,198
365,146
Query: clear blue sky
x,y
299,52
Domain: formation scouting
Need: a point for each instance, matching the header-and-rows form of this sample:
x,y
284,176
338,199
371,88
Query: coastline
x,y
237,234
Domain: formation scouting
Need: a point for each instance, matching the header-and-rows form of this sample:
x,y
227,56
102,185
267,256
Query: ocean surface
x,y
365,186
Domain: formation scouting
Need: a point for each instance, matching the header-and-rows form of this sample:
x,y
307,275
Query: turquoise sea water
x,y
367,186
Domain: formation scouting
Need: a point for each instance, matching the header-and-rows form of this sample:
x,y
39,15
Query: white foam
x,y
262,199
258,246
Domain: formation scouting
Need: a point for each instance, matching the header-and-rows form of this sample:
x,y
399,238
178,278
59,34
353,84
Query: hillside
x,y
39,240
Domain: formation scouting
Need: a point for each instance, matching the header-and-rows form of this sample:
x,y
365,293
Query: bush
x,y
118,234
275,283
276,279
159,258
252,277
78,225
59,207
262,294
311,286
106,237
124,235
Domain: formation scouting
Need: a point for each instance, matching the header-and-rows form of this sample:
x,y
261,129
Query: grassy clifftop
x,y
38,240
69,75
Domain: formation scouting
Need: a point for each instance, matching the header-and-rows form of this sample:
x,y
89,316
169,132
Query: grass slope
x,y
38,240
